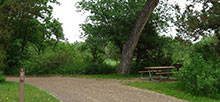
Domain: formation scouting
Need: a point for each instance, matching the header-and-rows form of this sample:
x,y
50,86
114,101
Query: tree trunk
x,y
131,43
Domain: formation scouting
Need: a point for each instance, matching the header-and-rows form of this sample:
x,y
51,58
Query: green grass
x,y
108,76
171,89
9,92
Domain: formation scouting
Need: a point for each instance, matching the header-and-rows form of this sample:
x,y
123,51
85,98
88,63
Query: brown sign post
x,y
22,76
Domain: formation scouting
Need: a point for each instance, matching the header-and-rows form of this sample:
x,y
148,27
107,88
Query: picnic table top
x,y
160,67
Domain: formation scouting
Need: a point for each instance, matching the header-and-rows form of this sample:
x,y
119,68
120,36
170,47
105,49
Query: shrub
x,y
95,68
47,64
65,59
87,68
201,71
2,77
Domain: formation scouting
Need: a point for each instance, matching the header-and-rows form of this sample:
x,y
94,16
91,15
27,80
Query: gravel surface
x,y
93,90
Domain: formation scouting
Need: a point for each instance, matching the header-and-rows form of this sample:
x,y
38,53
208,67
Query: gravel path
x,y
92,90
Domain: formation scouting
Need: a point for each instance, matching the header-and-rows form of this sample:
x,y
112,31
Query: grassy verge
x,y
9,92
171,89
109,76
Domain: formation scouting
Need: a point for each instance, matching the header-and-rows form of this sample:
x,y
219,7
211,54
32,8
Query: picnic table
x,y
160,71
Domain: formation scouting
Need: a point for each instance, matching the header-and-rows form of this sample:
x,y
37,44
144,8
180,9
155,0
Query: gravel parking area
x,y
92,90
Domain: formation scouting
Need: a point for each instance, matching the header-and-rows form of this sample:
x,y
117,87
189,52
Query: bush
x,y
201,71
86,68
2,77
95,68
65,59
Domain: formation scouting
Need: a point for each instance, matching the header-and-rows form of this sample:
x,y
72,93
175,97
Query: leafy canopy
x,y
110,21
24,23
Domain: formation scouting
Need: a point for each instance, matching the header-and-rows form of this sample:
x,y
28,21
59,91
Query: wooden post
x,y
22,76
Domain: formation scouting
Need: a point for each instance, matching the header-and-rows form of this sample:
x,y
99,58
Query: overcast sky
x,y
70,19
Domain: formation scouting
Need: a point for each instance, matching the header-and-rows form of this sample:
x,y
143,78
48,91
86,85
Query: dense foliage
x,y
77,58
65,59
200,73
24,23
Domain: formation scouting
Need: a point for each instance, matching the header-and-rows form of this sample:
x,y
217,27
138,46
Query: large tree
x,y
112,20
131,43
23,23
109,20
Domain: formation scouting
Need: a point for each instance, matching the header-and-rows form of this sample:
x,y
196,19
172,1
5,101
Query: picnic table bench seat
x,y
166,73
150,71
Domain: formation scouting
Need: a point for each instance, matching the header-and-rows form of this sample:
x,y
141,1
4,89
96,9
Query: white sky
x,y
70,19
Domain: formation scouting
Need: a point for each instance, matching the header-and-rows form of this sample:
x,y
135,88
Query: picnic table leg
x,y
150,75
160,78
142,77
168,76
